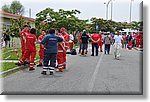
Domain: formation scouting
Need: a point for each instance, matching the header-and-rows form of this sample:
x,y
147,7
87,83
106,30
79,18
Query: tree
x,y
6,8
15,8
136,25
61,18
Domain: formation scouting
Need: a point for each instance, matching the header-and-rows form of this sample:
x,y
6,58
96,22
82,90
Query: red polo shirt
x,y
40,38
30,42
95,37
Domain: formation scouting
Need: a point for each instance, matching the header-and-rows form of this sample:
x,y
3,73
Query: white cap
x,y
84,30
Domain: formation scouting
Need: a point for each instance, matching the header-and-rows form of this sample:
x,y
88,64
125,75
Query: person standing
x,y
50,52
130,41
84,43
137,39
95,39
71,41
79,41
30,48
100,43
124,40
66,41
41,51
107,42
24,33
118,41
6,38
60,54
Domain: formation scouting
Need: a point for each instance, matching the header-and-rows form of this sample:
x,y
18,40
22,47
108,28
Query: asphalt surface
x,y
101,74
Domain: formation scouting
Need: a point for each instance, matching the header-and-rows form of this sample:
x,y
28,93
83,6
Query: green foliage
x,y
112,26
61,18
6,8
15,8
17,25
7,66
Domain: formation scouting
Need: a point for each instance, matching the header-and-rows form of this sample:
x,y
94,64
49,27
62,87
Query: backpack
x,y
73,52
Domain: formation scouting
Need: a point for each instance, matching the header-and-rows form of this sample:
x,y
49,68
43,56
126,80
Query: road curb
x,y
14,69
139,49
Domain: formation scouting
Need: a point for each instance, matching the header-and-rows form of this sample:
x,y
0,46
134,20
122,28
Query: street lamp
x,y
107,4
130,11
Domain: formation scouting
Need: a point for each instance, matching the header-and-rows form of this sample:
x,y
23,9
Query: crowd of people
x,y
54,44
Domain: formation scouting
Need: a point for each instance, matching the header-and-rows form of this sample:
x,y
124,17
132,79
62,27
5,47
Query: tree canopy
x,y
69,20
15,8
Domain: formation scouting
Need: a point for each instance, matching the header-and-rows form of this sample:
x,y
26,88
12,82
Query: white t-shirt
x,y
118,39
71,38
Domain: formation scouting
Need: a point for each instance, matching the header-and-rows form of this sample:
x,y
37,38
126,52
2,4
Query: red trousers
x,y
23,51
29,54
64,56
100,43
71,45
130,44
41,54
24,55
60,59
137,42
141,43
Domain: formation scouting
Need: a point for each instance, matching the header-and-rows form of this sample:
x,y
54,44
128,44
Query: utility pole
x,y
111,9
130,17
30,12
107,4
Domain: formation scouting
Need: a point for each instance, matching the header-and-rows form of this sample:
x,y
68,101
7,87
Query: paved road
x,y
86,75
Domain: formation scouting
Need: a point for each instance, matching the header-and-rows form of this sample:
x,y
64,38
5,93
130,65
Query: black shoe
x,y
43,72
92,55
30,69
86,52
18,64
26,62
51,73
96,55
39,65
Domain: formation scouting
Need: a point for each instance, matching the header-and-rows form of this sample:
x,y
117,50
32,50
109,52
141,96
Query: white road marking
x,y
91,84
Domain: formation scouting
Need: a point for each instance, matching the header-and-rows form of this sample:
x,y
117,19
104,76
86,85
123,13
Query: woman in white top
x,y
71,41
118,40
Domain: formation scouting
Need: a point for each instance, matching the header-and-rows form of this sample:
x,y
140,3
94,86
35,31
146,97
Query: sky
x,y
88,8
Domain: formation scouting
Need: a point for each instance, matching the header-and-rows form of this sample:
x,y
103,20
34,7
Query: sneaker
x,y
57,70
39,65
43,72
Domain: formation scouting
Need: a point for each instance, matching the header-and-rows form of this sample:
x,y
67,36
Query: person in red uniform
x,y
30,48
66,40
79,41
41,51
137,39
95,40
60,53
130,41
141,40
23,34
100,43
